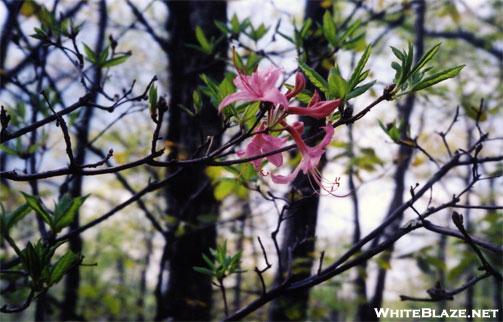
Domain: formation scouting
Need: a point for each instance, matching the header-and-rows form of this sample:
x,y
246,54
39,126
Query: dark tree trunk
x,y
72,279
240,228
140,301
300,227
498,285
189,294
470,292
403,159
364,311
442,247
13,8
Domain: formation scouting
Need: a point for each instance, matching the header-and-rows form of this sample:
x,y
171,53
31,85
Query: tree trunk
x,y
72,279
13,9
498,285
240,228
140,301
441,273
300,227
470,292
190,194
364,312
403,159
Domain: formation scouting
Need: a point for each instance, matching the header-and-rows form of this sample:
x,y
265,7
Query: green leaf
x,y
462,267
329,28
152,97
224,188
399,54
249,116
7,149
17,215
398,71
356,76
36,205
437,78
357,91
247,171
205,44
103,56
46,18
252,62
115,61
368,160
208,261
62,266
203,270
89,53
306,27
31,261
221,26
235,25
314,77
197,101
351,31
337,86
392,130
303,97
226,87
257,33
407,64
234,263
65,211
426,58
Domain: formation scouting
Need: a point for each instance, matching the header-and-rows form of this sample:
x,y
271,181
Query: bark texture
x,y
300,227
403,160
187,295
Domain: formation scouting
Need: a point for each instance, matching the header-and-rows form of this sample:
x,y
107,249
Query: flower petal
x,y
271,143
314,99
273,95
281,179
300,84
234,97
318,111
268,77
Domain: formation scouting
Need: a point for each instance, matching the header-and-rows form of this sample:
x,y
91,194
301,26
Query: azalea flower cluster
x,y
261,86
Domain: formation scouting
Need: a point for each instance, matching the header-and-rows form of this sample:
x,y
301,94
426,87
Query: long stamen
x,y
315,189
322,184
240,73
246,84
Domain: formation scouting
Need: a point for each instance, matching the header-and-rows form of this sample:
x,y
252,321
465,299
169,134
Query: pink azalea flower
x,y
300,84
263,143
316,109
259,86
310,157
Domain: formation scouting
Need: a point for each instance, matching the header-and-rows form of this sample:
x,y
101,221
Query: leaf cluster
x,y
411,77
220,265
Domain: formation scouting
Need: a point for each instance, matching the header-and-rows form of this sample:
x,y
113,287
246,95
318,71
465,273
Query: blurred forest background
x,y
147,234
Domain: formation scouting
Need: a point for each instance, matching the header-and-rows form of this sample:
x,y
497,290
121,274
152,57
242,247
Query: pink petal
x,y
274,96
296,132
314,99
280,179
269,77
300,84
276,159
318,111
234,97
329,133
272,143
